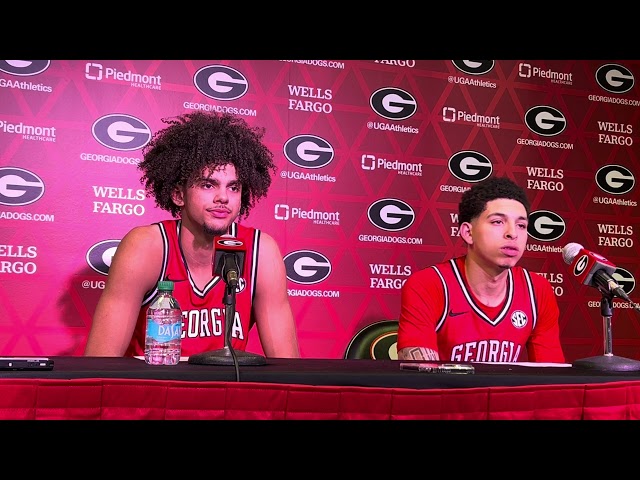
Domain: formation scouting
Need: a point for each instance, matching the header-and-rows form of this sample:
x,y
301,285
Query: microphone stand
x,y
227,355
608,362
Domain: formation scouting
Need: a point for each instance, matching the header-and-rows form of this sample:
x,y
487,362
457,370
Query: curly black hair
x,y
178,154
474,201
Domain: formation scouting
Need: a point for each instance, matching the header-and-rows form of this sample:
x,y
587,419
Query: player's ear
x,y
465,233
178,196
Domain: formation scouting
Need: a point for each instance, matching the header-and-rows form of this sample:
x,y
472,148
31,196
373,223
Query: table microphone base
x,y
608,363
223,356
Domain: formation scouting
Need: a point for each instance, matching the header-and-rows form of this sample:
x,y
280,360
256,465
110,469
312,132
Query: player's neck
x,y
197,247
487,284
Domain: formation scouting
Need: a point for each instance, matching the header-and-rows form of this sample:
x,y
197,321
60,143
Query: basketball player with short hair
x,y
482,307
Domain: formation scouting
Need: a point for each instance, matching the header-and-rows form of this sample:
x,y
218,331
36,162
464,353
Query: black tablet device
x,y
26,363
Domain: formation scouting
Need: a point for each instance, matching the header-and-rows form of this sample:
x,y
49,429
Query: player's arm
x,y
418,353
416,324
134,270
544,343
271,308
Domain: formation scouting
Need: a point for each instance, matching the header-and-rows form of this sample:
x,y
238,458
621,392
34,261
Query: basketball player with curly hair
x,y
207,170
482,307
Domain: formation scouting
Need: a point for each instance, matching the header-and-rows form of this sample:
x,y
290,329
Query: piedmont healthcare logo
x,y
284,212
29,132
526,70
95,71
281,211
450,114
371,162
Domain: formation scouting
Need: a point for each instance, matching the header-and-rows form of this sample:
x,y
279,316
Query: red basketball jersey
x,y
203,311
440,312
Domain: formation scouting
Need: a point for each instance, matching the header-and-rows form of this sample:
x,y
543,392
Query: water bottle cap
x,y
166,285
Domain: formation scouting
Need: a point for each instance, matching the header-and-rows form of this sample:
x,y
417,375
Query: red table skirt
x,y
127,399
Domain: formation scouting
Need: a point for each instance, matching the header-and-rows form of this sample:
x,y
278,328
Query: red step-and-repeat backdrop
x,y
373,157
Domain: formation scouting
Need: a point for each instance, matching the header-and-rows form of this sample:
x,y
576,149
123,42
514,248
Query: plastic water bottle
x,y
163,341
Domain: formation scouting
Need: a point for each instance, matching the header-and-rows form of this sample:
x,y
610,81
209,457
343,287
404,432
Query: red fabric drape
x,y
126,399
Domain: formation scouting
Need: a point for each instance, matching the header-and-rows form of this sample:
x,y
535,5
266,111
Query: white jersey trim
x,y
476,308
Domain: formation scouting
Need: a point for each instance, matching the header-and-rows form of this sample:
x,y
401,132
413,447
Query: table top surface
x,y
337,372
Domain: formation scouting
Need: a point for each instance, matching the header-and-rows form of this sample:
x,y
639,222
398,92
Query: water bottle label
x,y
163,333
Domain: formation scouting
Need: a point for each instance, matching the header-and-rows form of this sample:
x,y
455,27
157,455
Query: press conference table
x,y
128,388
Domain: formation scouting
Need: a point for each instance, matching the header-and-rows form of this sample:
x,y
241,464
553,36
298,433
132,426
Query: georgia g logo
x,y
625,279
391,214
221,82
19,186
24,68
580,266
615,179
545,120
308,151
99,256
545,225
470,166
307,267
121,132
474,67
229,242
615,78
393,103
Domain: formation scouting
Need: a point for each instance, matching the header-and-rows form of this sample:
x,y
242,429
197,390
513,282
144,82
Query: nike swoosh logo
x,y
455,314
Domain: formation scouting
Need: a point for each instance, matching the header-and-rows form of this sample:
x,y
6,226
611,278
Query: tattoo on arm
x,y
418,353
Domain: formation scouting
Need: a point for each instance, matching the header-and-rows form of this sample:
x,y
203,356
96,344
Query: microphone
x,y
228,258
228,262
593,270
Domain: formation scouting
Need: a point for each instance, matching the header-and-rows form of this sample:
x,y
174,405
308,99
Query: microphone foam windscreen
x,y
570,251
